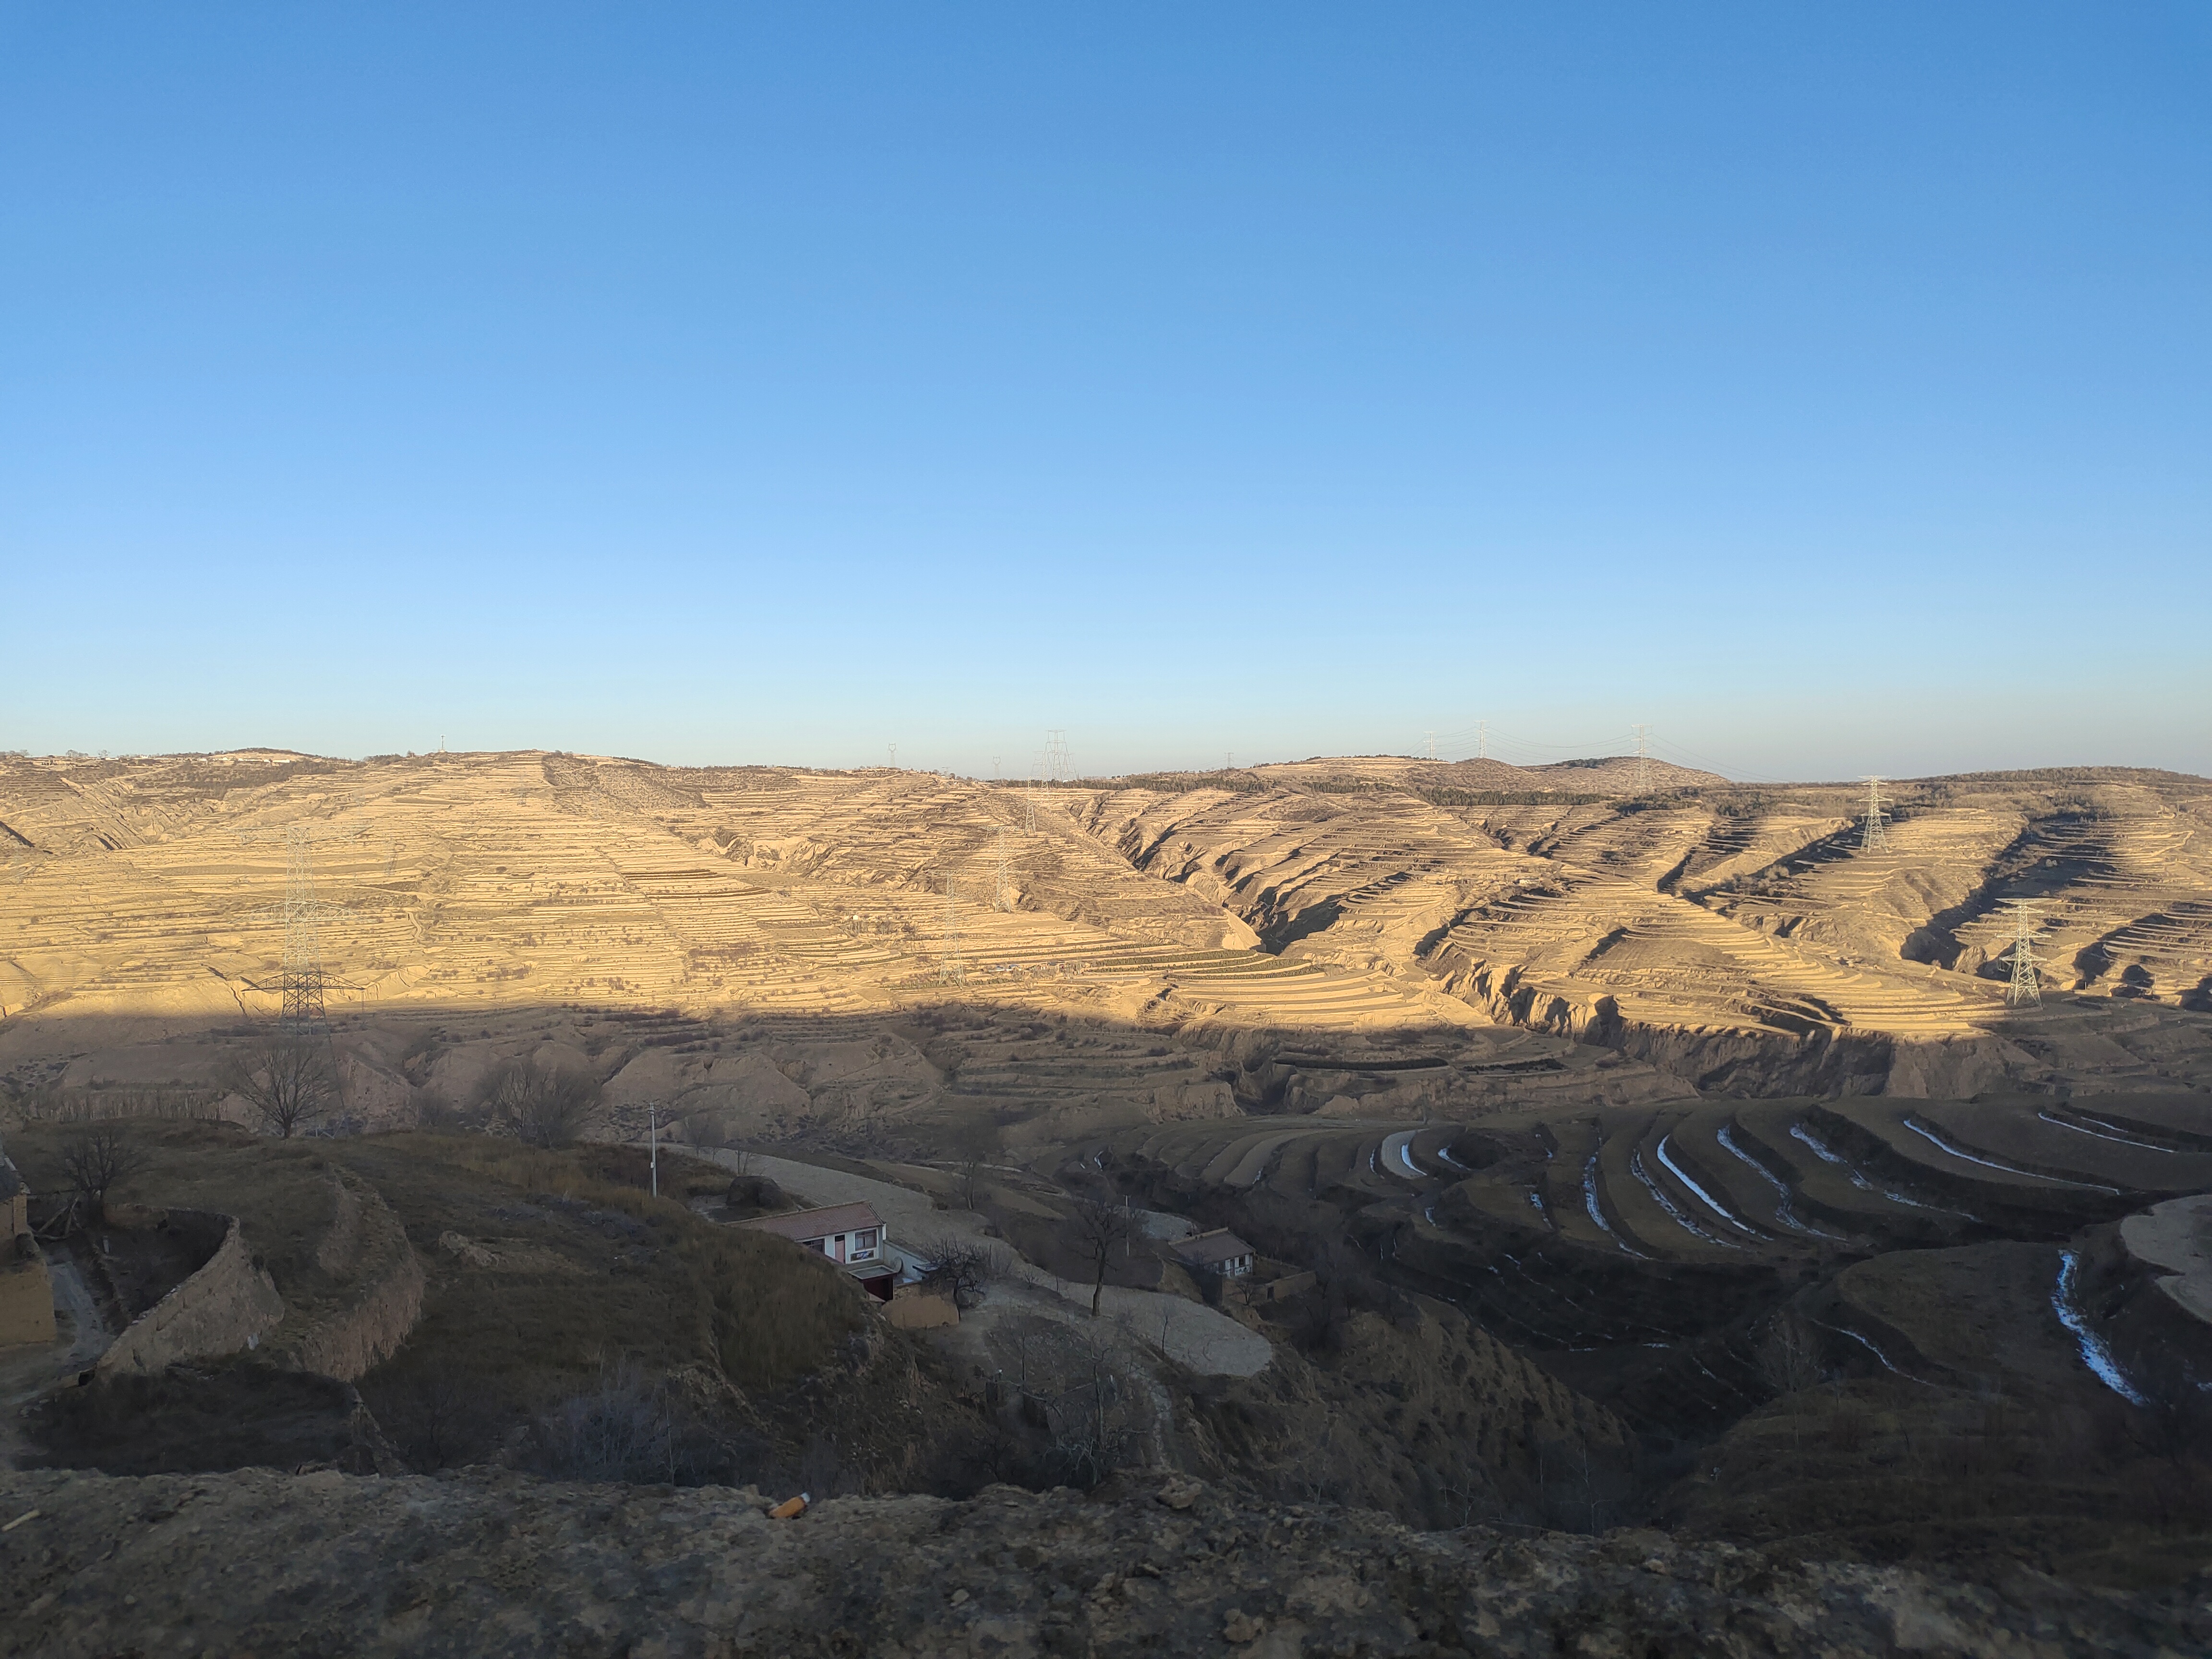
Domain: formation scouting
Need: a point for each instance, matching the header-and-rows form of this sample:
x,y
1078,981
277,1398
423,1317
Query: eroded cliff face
x,y
326,1564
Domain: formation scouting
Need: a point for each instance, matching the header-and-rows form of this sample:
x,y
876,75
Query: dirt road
x,y
1189,1333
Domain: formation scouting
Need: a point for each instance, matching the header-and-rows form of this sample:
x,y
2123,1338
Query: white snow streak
x,y
2095,1354
1942,1145
1710,1201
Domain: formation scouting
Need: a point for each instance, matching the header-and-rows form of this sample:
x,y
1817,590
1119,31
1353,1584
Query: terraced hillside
x,y
475,906
1532,931
1743,940
1720,1275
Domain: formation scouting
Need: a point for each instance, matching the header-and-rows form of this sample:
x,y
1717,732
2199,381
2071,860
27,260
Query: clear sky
x,y
1829,386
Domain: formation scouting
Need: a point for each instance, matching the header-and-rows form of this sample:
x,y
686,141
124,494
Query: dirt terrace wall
x,y
228,1304
367,1247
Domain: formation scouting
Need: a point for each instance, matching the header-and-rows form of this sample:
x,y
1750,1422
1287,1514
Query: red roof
x,y
803,1225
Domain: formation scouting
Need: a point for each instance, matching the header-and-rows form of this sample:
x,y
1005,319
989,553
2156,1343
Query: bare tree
x,y
1099,1417
962,1268
94,1160
1099,1229
545,1105
288,1078
1790,1360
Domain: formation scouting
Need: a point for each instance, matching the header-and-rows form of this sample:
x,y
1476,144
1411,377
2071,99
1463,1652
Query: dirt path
x,y
1192,1334
81,1336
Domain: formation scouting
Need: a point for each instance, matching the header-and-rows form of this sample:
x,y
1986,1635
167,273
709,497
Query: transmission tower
x,y
1482,741
1433,745
950,970
1058,769
893,749
1643,760
302,979
303,1013
1871,838
2025,989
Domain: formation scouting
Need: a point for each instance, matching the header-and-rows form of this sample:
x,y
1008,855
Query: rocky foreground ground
x,y
259,1563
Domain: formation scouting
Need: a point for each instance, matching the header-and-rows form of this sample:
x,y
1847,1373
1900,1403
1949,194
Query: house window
x,y
864,1246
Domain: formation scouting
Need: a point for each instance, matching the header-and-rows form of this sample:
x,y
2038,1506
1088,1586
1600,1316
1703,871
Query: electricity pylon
x,y
1871,838
2025,989
1433,745
1643,760
1482,741
303,1014
1058,769
303,981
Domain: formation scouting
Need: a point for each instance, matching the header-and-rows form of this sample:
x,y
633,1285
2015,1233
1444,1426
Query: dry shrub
x,y
634,1427
105,1105
540,1105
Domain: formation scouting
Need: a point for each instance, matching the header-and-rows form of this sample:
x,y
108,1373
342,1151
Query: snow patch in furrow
x,y
1798,1132
2095,1354
1944,1145
1784,1212
1596,1214
2116,1138
1673,1211
1867,1343
1703,1197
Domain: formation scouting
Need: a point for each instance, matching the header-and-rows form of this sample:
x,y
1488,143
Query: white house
x,y
850,1235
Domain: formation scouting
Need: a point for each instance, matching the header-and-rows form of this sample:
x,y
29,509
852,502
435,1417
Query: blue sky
x,y
1830,387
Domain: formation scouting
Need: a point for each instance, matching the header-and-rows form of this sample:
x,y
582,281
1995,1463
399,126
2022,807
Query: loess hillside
x,y
1509,931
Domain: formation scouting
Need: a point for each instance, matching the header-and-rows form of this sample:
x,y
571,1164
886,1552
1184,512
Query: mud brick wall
x,y
27,1298
228,1303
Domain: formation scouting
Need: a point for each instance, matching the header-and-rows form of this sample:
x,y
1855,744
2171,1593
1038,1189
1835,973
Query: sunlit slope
x,y
157,888
1706,911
